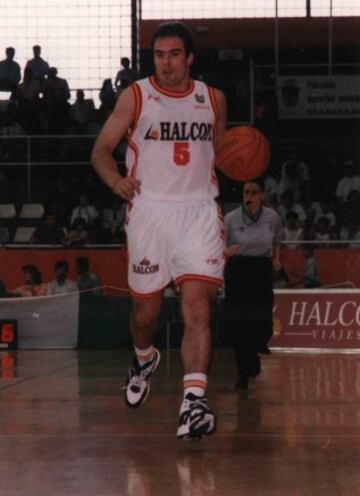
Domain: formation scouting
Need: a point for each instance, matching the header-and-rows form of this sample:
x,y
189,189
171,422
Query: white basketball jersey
x,y
171,145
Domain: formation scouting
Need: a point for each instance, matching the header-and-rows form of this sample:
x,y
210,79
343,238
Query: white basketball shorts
x,y
173,241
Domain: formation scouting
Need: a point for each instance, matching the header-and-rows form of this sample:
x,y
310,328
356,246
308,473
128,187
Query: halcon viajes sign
x,y
317,319
319,97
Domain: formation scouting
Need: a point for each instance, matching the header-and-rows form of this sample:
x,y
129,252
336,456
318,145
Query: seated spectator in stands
x,y
113,222
33,285
310,277
311,270
107,97
324,208
81,112
10,72
29,104
322,232
87,280
348,182
78,234
84,210
271,186
294,177
11,127
49,232
292,230
56,95
288,204
38,66
61,284
350,210
125,75
350,233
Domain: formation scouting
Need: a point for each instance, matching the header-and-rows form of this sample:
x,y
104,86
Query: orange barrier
x,y
110,264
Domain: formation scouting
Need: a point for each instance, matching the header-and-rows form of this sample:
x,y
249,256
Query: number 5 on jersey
x,y
181,153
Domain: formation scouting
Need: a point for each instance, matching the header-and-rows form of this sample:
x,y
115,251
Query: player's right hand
x,y
127,187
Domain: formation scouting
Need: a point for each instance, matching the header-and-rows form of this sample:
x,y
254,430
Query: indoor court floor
x,y
66,431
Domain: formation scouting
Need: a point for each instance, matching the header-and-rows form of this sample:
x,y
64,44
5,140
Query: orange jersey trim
x,y
146,295
215,107
197,277
133,168
173,94
138,104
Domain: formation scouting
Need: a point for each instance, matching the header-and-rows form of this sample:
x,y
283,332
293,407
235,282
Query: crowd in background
x,y
39,105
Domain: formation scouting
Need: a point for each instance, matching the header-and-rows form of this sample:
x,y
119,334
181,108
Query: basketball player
x,y
174,228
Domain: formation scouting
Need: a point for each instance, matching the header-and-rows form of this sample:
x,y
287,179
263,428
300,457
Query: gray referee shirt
x,y
255,238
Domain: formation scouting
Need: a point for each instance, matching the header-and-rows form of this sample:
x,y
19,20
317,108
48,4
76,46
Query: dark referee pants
x,y
248,308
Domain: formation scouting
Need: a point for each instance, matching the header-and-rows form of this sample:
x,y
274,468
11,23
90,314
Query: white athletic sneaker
x,y
196,419
137,386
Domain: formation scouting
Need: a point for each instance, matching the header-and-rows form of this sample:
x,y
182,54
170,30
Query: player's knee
x,y
144,320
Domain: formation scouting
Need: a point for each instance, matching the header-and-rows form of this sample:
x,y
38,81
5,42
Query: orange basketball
x,y
242,153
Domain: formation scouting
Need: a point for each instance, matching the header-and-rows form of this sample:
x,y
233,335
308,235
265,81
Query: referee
x,y
254,233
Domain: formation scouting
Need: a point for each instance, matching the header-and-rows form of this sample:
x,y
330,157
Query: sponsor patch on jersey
x,y
145,267
199,98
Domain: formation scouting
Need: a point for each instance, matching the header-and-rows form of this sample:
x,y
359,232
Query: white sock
x,y
195,383
144,355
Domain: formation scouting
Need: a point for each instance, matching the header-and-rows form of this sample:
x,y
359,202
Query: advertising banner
x,y
316,319
319,97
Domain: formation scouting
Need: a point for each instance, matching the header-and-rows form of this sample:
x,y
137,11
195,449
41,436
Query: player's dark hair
x,y
178,29
259,181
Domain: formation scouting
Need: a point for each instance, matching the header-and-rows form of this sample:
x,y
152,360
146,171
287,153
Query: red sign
x,y
316,319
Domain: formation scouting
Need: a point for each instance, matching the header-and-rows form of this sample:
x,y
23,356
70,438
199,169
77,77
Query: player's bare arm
x,y
114,130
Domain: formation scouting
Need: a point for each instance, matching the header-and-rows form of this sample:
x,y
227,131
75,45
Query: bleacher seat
x,y
7,211
23,234
31,211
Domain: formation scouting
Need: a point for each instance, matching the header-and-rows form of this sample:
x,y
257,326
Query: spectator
x,y
322,231
78,234
29,105
349,181
49,232
292,231
87,280
324,208
125,75
84,210
56,96
294,177
33,285
271,186
113,222
350,211
81,112
310,278
10,72
39,67
107,97
350,232
287,204
61,284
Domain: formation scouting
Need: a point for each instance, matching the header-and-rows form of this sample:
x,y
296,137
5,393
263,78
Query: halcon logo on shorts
x,y
145,267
